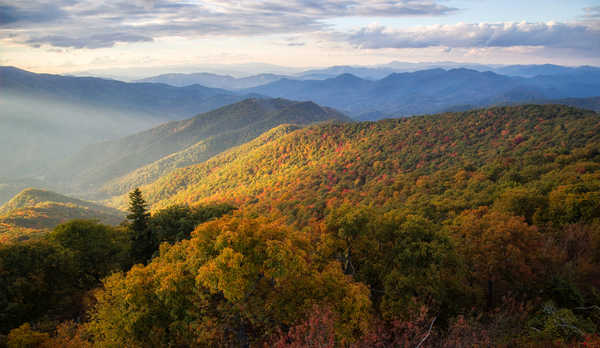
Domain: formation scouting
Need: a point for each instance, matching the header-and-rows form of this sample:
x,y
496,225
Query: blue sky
x,y
74,35
475,11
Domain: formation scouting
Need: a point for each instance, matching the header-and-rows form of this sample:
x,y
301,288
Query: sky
x,y
68,36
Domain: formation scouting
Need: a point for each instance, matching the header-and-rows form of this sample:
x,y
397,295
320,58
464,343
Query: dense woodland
x,y
479,228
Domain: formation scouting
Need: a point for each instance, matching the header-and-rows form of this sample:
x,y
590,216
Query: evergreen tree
x,y
142,246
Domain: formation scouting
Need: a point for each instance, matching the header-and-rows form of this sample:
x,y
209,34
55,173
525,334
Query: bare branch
x,y
428,334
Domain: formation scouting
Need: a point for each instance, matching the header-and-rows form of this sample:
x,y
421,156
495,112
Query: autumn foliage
x,y
475,229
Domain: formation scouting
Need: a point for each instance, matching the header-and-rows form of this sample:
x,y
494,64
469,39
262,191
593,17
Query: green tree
x,y
176,223
35,276
96,248
142,245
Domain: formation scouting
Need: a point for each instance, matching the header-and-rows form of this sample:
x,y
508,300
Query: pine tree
x,y
142,245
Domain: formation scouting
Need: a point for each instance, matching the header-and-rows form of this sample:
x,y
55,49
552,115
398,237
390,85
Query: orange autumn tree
x,y
502,252
236,282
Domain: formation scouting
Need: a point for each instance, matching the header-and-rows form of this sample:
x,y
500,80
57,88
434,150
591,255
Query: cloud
x,y
592,12
69,23
550,35
41,13
93,41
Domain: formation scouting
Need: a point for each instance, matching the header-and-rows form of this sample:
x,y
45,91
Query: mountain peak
x,y
347,77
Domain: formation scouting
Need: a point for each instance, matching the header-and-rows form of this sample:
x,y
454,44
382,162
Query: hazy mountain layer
x,y
148,98
208,133
46,118
213,80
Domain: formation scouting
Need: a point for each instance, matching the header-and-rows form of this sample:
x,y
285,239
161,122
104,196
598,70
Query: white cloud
x,y
96,24
578,36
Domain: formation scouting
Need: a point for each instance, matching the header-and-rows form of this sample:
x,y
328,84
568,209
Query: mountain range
x,y
375,72
154,99
431,91
49,119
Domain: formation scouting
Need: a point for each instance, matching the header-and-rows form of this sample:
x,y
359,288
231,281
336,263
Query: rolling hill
x,y
205,135
10,187
391,162
34,211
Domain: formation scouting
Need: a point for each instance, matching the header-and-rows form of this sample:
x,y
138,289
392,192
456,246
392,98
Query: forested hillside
x,y
389,162
189,141
470,229
34,212
194,154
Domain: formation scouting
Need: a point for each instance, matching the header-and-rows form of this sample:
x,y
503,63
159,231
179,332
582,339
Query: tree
x,y
142,245
236,282
96,248
24,337
176,223
36,276
502,252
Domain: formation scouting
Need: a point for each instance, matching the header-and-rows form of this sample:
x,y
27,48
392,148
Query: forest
x,y
470,229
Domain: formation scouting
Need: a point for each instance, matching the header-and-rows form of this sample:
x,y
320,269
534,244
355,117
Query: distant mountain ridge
x,y
9,188
213,80
434,90
210,78
150,98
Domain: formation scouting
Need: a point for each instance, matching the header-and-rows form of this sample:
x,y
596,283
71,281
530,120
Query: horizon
x,y
241,70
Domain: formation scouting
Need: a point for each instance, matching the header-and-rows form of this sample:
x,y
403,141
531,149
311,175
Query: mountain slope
x,y
218,130
194,154
387,162
33,211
